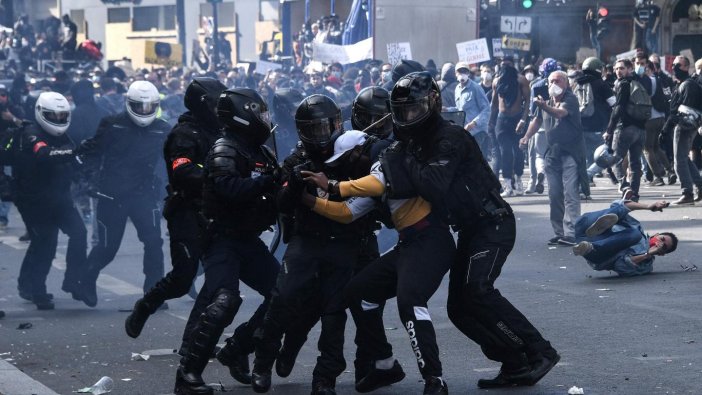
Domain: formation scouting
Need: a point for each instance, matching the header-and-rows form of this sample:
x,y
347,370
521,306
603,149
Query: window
x,y
156,17
225,13
78,17
118,15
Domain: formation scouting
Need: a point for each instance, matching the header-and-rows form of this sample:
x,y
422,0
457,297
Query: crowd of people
x,y
336,152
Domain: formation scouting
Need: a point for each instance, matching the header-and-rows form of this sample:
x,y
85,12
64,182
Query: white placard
x,y
263,67
344,54
497,48
474,51
627,55
399,51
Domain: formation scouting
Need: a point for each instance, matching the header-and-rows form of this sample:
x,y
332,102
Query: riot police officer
x,y
370,112
320,257
123,156
447,168
42,171
185,150
238,192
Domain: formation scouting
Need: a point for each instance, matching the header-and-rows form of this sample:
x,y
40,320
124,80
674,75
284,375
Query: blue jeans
x,y
5,206
608,243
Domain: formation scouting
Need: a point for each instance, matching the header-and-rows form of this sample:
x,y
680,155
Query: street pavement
x,y
615,336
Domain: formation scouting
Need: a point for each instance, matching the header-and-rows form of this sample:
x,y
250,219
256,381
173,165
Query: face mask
x,y
336,74
386,75
680,74
486,75
529,76
640,70
555,90
463,78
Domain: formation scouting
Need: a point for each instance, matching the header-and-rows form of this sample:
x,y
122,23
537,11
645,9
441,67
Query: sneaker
x,y
657,182
508,191
553,241
583,248
624,184
539,187
518,186
435,386
685,200
672,178
25,237
378,378
531,188
602,224
629,194
567,241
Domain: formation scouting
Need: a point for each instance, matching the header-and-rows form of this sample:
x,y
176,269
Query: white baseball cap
x,y
346,142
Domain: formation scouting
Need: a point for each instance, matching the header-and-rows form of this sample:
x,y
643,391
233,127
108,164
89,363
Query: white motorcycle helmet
x,y
142,102
53,113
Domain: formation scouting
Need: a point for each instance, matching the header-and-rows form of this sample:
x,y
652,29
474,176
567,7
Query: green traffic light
x,y
527,3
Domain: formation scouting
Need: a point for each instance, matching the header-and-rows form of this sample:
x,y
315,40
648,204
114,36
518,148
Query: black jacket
x,y
622,89
43,167
602,91
448,169
123,156
239,187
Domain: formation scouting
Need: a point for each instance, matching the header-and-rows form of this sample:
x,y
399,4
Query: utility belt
x,y
491,209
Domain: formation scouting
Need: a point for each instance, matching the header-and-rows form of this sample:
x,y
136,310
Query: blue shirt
x,y
472,100
621,262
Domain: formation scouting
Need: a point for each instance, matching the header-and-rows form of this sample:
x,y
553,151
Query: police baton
x,y
103,196
376,123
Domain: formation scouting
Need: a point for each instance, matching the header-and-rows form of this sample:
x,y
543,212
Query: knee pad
x,y
224,307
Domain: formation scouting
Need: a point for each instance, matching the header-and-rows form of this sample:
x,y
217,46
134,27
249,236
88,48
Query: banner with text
x,y
159,52
344,54
399,51
474,51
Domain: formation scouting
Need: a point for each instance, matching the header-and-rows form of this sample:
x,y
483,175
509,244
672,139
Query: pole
x,y
180,18
307,10
332,7
287,29
215,34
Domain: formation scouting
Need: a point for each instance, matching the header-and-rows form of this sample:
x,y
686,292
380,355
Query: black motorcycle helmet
x,y
285,103
243,110
318,122
415,100
369,107
201,97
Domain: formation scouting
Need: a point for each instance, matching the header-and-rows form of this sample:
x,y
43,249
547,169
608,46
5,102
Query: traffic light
x,y
527,4
602,22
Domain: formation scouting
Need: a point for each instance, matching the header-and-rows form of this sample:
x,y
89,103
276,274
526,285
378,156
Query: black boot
x,y
322,386
190,384
506,378
236,360
435,386
285,362
267,342
137,319
205,335
378,378
43,302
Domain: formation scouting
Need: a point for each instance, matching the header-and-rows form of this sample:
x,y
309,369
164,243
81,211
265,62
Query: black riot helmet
x,y
201,97
370,106
243,111
318,122
414,101
285,103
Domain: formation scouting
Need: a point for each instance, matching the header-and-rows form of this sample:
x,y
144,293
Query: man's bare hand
x,y
319,179
539,102
523,142
659,205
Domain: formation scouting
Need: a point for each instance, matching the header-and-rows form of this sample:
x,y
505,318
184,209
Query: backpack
x,y
586,98
639,106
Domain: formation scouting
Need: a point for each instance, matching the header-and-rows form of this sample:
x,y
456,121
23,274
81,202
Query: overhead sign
x,y
497,48
520,44
344,54
515,24
159,52
474,51
399,51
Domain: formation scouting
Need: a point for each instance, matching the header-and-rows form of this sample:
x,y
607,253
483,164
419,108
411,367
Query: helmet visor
x,y
58,118
319,131
143,108
407,113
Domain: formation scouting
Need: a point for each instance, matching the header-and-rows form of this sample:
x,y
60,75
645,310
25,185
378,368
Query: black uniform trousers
x,y
477,309
296,334
112,218
228,260
412,271
312,267
43,223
